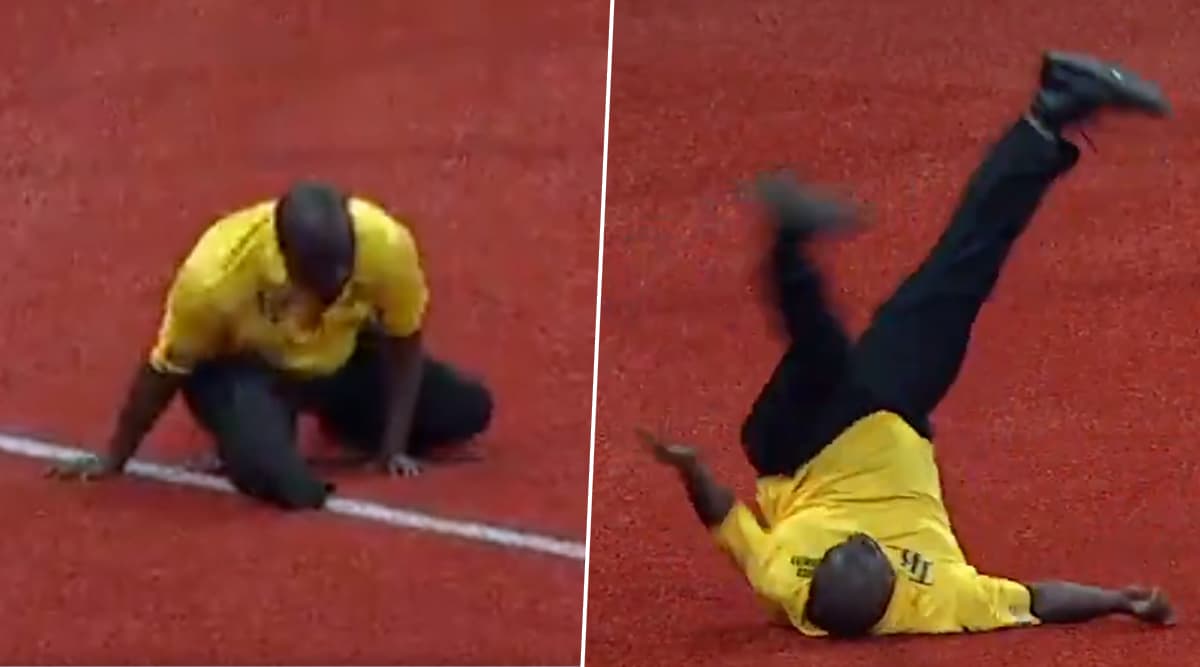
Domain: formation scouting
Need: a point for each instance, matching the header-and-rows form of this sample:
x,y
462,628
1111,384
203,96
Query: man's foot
x,y
1075,86
800,212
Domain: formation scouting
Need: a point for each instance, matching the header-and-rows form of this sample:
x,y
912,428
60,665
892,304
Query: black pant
x,y
251,411
911,353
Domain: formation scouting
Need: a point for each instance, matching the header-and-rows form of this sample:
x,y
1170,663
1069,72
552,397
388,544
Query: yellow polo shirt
x,y
232,295
878,477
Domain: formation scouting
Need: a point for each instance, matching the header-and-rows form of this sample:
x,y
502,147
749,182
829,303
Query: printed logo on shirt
x,y
805,566
916,567
275,303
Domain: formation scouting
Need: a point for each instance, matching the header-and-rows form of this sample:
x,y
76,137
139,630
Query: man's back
x,y
879,478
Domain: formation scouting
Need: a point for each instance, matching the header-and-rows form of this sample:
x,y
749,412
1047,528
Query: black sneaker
x,y
1075,86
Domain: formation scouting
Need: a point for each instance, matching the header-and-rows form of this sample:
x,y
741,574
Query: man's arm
x,y
989,603
189,332
711,501
1066,602
406,359
400,294
149,395
734,526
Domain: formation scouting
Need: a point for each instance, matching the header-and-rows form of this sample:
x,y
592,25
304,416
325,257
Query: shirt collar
x,y
270,258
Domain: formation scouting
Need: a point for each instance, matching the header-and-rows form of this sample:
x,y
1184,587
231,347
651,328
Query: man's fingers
x,y
1139,592
400,467
407,470
1162,610
657,446
1169,617
61,472
669,454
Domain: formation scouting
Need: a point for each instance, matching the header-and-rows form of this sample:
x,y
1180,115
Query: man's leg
x,y
912,352
255,431
352,405
776,433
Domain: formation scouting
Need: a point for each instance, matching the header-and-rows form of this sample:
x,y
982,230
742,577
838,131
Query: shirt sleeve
x,y
397,280
741,537
991,603
190,330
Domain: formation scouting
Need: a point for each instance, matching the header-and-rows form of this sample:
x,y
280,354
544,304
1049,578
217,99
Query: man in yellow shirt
x,y
854,538
310,303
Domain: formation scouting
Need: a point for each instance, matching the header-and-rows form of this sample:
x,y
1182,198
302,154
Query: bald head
x,y
316,237
851,588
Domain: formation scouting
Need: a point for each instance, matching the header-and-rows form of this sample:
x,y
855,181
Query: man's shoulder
x,y
803,534
382,237
231,230
373,219
223,245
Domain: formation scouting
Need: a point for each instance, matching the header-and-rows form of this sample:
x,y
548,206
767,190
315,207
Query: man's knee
x,y
456,417
284,488
254,430
475,407
309,495
261,461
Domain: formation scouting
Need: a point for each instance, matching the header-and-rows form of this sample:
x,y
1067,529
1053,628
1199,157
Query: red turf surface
x,y
124,128
1068,447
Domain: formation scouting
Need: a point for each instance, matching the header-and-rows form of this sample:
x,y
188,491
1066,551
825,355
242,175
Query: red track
x,y
1068,448
124,127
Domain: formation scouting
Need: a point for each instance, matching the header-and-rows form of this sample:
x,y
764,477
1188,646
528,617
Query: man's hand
x,y
207,464
802,209
407,363
400,464
1149,605
83,468
680,457
711,501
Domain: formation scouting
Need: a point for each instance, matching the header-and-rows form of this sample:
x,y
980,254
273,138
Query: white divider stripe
x,y
359,509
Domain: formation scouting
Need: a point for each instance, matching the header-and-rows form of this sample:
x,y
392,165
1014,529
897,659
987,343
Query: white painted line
x,y
359,509
587,568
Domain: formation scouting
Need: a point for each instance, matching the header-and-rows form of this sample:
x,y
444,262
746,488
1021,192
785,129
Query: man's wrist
x,y
1123,603
691,470
120,449
110,464
392,449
